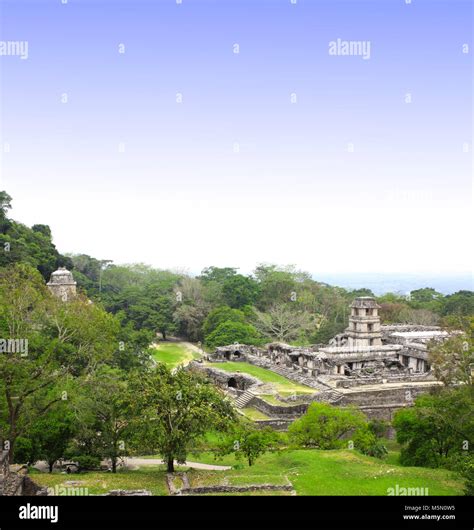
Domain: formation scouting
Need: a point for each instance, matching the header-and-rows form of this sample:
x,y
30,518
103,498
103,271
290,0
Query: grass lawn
x,y
254,414
173,354
150,478
282,385
312,472
341,472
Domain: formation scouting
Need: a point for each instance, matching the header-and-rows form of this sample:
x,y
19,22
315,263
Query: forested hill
x,y
21,244
221,306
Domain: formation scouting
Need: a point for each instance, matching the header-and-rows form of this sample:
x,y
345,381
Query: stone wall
x,y
403,396
4,470
14,481
222,378
236,489
379,380
276,424
290,411
383,403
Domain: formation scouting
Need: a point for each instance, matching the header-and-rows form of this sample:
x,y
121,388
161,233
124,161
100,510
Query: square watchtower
x,y
364,323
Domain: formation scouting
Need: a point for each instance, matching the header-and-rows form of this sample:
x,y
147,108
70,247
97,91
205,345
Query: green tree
x,y
5,203
53,433
230,332
425,295
217,274
65,340
284,322
437,427
239,291
106,416
177,409
461,303
191,308
452,360
219,315
325,427
277,285
246,441
21,244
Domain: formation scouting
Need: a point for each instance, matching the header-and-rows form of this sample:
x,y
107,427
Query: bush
x,y
26,452
367,443
379,427
230,332
247,442
87,462
218,316
464,465
435,429
324,426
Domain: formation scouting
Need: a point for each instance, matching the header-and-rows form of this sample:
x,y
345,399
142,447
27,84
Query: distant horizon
x,y
378,282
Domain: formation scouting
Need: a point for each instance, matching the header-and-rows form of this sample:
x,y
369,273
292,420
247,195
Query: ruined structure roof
x,y
365,301
361,349
61,277
233,347
420,334
280,345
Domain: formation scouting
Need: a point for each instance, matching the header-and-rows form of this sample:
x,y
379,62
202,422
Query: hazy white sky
x,y
181,153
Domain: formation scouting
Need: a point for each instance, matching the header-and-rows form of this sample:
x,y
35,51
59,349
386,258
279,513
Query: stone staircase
x,y
329,396
244,399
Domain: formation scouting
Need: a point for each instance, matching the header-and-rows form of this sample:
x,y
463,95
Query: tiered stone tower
x,y
364,323
62,284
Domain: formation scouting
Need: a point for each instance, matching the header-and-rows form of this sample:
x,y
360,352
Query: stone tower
x,y
364,323
62,284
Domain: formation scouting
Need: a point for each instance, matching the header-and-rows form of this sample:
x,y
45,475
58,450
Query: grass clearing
x,y
339,472
173,354
254,414
281,384
311,471
151,478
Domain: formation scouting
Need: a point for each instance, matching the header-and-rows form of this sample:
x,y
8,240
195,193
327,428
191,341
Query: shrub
x,y
367,443
324,426
87,462
230,332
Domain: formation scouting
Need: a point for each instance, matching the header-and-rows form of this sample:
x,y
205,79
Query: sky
x,y
238,132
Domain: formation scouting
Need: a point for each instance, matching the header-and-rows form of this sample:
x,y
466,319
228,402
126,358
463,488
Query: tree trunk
x,y
50,465
114,465
163,333
170,464
10,448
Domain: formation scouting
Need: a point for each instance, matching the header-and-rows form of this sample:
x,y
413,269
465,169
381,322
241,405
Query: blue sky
x,y
181,153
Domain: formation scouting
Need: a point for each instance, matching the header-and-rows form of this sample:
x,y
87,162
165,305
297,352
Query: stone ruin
x,y
62,284
373,366
365,352
14,480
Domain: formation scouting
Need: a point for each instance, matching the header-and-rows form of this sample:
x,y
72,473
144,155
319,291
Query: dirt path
x,y
133,463
192,347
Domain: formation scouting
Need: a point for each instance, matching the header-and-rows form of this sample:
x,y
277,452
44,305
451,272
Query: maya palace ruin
x,y
374,367
378,368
